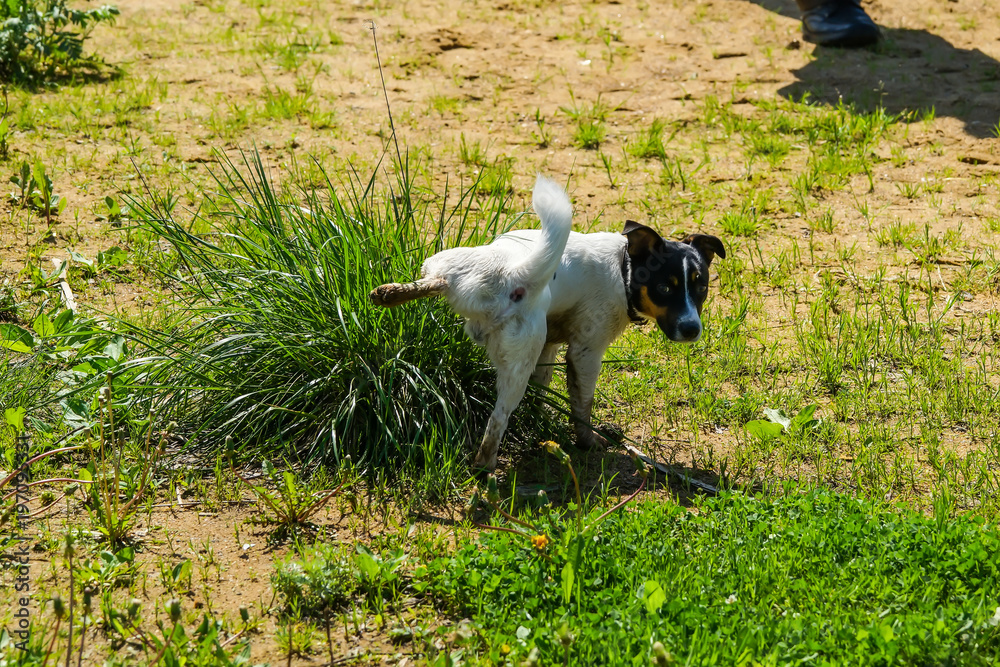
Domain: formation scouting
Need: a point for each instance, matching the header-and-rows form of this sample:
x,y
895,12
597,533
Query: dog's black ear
x,y
707,246
632,225
641,239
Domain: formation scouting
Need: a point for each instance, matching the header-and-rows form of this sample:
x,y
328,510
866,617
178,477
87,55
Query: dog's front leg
x,y
583,365
514,353
546,365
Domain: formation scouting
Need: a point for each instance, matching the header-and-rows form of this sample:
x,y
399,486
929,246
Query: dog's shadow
x,y
605,477
602,475
910,70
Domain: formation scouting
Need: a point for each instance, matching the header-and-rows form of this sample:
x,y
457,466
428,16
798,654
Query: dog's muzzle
x,y
682,330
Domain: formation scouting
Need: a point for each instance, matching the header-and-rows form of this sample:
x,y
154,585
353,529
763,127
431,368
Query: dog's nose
x,y
688,331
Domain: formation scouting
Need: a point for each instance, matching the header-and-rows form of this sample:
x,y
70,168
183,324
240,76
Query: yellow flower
x,y
504,649
553,448
540,541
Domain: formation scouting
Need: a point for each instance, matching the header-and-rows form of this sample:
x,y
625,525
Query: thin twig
x,y
17,471
52,480
502,529
40,510
616,507
234,637
508,516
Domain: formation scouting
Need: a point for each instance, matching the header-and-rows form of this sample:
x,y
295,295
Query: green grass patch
x,y
819,578
648,144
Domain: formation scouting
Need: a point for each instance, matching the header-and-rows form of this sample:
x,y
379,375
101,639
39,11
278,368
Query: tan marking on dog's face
x,y
673,281
647,307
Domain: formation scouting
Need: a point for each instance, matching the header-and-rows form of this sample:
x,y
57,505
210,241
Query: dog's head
x,y
669,280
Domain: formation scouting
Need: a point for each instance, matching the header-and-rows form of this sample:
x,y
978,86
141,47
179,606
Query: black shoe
x,y
837,23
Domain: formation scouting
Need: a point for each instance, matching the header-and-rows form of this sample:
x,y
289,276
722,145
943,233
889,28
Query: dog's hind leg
x,y
394,294
513,354
583,365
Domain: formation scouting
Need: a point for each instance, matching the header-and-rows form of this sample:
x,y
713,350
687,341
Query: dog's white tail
x,y
556,212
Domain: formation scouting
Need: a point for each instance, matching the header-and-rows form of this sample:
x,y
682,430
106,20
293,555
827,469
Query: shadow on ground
x,y
910,71
611,472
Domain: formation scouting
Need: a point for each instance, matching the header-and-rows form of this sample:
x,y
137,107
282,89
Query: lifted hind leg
x,y
395,294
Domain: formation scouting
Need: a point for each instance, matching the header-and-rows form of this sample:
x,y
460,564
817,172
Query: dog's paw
x,y
591,440
484,463
382,295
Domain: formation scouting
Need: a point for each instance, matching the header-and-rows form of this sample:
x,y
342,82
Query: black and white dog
x,y
531,291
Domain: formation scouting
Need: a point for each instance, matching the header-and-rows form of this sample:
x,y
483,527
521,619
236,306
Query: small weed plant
x,y
591,123
116,486
34,190
539,534
649,143
292,504
328,582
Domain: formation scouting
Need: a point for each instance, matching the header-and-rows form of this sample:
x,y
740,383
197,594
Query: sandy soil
x,y
482,70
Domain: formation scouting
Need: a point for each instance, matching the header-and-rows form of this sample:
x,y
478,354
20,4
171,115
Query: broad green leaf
x,y
15,417
181,570
85,368
113,256
63,319
806,413
763,430
778,417
80,259
289,480
39,425
115,349
43,326
568,577
76,411
367,563
805,419
653,595
16,338
38,174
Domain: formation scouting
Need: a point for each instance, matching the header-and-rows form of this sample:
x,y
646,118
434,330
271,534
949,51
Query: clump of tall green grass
x,y
273,340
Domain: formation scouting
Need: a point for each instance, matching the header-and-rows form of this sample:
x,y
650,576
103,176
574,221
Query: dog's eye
x,y
663,289
695,277
702,289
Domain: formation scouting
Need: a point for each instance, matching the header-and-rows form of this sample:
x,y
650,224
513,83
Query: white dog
x,y
530,291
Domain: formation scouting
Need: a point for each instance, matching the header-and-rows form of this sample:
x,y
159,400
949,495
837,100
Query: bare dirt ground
x,y
197,77
481,71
